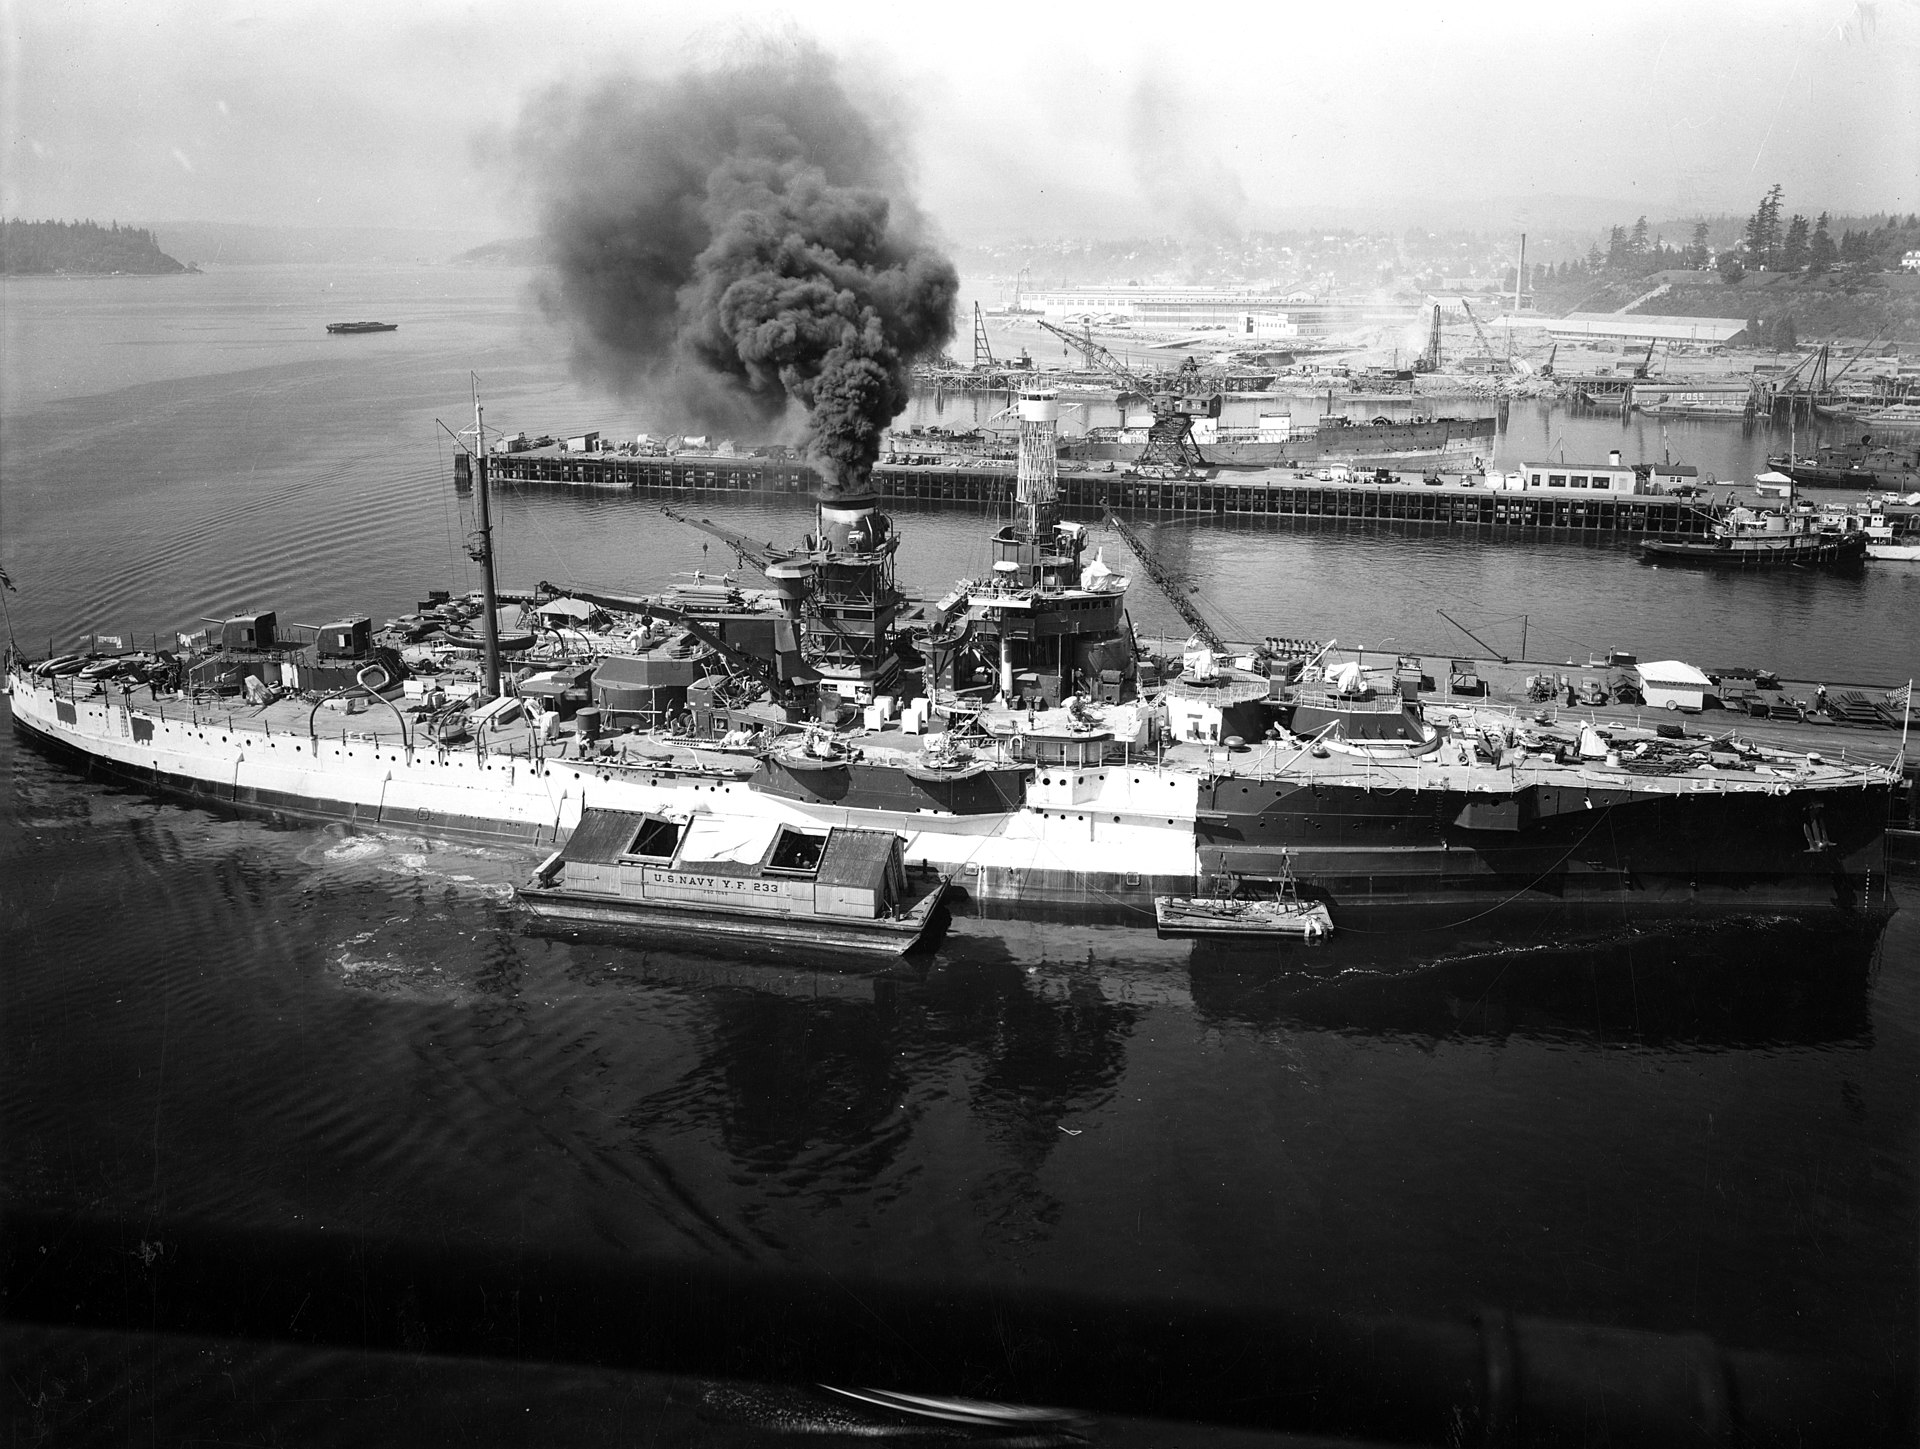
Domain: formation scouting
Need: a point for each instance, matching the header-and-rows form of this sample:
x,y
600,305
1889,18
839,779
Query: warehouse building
x,y
1620,327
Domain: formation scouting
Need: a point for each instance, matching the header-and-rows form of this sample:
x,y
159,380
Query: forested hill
x,y
80,246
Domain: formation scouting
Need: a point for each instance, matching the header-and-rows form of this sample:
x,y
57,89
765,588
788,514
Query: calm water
x,y
1676,1127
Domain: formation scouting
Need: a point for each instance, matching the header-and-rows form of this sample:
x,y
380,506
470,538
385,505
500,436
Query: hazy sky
x,y
1021,119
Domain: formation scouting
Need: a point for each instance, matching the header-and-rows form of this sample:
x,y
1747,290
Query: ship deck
x,y
1845,753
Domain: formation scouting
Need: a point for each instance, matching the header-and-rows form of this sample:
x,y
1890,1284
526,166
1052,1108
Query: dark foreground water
x,y
1680,1126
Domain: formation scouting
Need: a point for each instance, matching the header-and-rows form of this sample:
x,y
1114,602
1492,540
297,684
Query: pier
x,y
1453,503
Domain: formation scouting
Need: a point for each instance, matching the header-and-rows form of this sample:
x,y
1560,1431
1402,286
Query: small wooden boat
x,y
834,888
469,638
1283,913
1214,916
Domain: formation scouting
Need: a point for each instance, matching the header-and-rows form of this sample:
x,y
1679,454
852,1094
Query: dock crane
x,y
1170,442
1486,345
1019,277
982,349
1097,357
1429,361
1846,366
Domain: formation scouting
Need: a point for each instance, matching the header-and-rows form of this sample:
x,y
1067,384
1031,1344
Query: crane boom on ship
x,y
749,551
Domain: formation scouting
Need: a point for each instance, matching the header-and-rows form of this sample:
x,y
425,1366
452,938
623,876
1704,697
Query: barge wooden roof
x,y
602,836
857,858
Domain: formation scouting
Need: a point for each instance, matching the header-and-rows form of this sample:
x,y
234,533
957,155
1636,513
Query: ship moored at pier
x,y
1014,735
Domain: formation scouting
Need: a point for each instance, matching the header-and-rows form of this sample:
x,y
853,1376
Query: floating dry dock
x,y
1256,493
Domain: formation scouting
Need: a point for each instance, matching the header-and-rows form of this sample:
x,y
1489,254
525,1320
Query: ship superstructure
x,y
1047,623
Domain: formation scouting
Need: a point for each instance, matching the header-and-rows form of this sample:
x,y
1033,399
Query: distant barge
x,y
1274,493
363,327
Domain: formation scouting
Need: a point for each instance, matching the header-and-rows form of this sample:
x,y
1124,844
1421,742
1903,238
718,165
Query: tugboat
x,y
1746,538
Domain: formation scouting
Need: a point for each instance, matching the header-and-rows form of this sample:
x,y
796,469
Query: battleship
x,y
1017,735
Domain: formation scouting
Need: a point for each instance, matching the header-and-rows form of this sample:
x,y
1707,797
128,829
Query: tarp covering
x,y
1674,674
653,671
743,842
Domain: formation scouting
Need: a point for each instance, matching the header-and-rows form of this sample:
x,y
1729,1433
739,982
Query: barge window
x,y
797,851
656,839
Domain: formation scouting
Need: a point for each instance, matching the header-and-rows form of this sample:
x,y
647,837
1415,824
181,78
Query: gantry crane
x,y
1170,442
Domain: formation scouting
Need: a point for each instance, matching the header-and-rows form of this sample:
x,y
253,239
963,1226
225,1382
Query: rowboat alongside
x,y
1212,916
1284,913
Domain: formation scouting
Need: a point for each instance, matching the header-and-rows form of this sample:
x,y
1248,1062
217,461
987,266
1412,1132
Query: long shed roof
x,y
1647,327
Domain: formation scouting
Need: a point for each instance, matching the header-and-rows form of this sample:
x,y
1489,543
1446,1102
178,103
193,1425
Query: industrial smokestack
x,y
736,241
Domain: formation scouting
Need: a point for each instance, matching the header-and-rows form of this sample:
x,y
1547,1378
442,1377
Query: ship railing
x,y
1346,703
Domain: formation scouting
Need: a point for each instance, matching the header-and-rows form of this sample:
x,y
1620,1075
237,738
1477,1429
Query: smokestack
x,y
737,241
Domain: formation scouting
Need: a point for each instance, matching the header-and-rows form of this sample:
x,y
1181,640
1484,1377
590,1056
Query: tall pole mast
x,y
490,617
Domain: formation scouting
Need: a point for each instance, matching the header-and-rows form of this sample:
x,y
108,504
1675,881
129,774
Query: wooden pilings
x,y
1287,496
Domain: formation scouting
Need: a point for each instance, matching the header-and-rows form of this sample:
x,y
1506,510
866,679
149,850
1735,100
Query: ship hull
x,y
1757,553
1602,843
1435,443
650,919
1100,844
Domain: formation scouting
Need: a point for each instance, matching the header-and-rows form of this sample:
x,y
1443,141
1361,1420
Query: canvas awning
x,y
567,609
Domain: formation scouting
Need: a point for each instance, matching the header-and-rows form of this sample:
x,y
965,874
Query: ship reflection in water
x,y
1639,1124
1683,985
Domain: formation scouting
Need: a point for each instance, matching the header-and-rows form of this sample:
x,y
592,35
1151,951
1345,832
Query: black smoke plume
x,y
734,240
